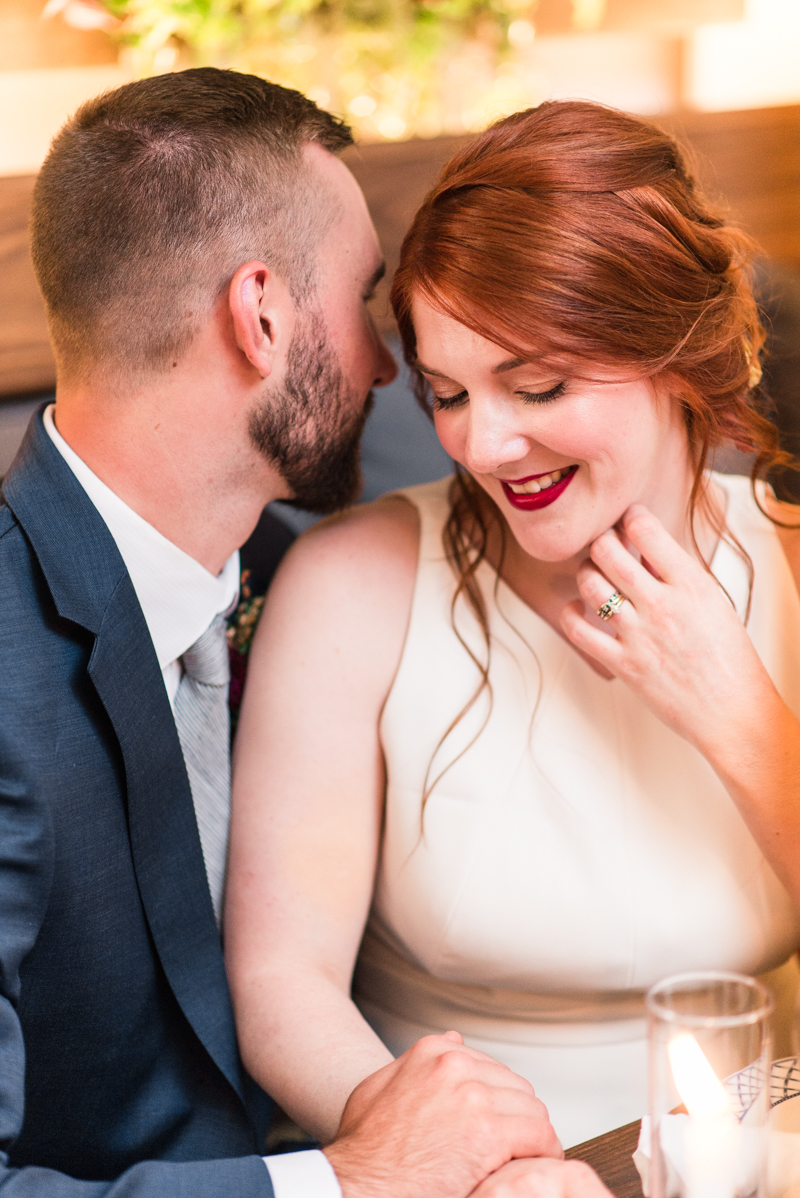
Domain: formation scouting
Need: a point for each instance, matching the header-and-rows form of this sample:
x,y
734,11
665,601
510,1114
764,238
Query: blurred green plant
x,y
392,68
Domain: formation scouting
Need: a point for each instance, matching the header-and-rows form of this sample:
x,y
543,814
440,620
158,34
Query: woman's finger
x,y
590,640
596,590
650,537
623,570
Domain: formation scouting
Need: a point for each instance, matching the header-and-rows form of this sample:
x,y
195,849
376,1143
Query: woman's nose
x,y
492,438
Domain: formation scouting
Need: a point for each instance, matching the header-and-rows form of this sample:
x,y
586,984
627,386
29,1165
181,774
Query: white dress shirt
x,y
179,599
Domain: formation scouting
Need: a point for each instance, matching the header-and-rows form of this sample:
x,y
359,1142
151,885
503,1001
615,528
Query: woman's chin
x,y
548,540
552,536
551,549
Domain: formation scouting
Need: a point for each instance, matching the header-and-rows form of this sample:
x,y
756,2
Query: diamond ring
x,y
611,606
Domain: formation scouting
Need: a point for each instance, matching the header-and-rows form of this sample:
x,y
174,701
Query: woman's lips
x,y
539,499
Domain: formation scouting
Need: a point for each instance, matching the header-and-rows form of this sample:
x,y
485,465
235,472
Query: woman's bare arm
x,y
307,806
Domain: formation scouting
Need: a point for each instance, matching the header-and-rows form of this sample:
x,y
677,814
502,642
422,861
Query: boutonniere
x,y
242,624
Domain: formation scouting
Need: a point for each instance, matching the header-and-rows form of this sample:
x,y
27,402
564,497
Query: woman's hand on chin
x,y
679,644
677,640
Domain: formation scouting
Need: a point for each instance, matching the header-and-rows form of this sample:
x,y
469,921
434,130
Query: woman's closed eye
x,y
444,402
544,396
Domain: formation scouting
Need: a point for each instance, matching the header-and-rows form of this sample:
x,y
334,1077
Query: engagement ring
x,y
611,606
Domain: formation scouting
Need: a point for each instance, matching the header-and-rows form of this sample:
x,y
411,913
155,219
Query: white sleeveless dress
x,y
573,851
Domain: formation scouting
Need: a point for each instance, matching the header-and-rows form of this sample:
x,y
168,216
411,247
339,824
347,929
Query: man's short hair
x,y
155,193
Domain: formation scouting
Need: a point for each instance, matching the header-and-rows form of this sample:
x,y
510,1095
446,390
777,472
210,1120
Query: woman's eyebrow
x,y
509,364
423,369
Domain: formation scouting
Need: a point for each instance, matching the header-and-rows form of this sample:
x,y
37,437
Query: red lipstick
x,y
532,503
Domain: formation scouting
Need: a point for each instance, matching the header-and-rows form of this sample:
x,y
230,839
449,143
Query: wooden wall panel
x,y
26,361
750,159
395,178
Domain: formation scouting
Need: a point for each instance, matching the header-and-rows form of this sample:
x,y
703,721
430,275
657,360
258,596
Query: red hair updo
x,y
575,232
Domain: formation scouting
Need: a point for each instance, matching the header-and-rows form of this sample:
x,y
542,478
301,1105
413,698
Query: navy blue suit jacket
x,y
118,1057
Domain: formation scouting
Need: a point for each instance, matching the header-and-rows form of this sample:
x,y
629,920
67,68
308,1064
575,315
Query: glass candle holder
x,y
709,1085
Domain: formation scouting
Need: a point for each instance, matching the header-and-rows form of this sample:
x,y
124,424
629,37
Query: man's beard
x,y
310,429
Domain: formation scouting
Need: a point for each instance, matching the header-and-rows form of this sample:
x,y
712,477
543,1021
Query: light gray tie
x,y
201,714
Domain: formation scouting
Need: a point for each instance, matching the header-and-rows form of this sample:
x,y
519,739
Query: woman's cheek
x,y
447,430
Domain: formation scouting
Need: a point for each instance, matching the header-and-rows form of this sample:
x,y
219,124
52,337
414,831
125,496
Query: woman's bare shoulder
x,y
350,579
387,525
376,544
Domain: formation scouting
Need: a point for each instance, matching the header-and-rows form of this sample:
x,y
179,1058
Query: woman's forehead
x,y
445,343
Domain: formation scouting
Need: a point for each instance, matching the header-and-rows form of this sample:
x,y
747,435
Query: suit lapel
x,y
91,587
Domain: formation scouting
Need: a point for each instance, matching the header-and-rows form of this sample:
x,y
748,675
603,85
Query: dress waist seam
x,y
385,979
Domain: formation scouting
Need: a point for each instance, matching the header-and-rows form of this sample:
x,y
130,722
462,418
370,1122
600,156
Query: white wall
x,y
753,63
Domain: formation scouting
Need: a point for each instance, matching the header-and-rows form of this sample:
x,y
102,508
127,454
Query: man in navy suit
x,y
206,262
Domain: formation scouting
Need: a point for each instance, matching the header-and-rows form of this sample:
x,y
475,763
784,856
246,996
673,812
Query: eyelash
x,y
444,402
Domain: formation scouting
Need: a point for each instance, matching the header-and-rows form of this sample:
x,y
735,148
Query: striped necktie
x,y
201,715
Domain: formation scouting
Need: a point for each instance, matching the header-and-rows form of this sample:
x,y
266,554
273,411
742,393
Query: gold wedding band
x,y
611,606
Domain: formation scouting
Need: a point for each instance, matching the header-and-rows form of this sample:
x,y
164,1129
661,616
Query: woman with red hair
x,y
533,727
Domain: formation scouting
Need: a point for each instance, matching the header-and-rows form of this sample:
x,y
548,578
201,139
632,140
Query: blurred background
x,y
415,78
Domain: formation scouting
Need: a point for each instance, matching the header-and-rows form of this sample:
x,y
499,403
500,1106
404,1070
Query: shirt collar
x,y
179,598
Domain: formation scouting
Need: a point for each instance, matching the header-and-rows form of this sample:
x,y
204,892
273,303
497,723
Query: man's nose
x,y
492,438
385,367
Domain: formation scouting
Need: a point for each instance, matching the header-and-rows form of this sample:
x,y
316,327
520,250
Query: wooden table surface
x,y
611,1157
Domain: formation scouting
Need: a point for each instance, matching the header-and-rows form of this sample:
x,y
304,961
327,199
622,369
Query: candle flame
x,y
701,1091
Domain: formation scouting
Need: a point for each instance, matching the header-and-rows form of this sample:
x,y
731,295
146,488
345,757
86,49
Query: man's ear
x,y
263,315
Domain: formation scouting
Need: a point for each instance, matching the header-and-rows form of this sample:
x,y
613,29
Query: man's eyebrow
x,y
375,278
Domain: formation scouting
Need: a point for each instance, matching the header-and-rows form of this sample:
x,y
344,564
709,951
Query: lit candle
x,y
712,1135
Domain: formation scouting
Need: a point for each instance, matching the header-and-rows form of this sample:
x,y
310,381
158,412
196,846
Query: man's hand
x,y
437,1122
543,1178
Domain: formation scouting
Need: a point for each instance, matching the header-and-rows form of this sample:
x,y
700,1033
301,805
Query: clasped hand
x,y
447,1121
